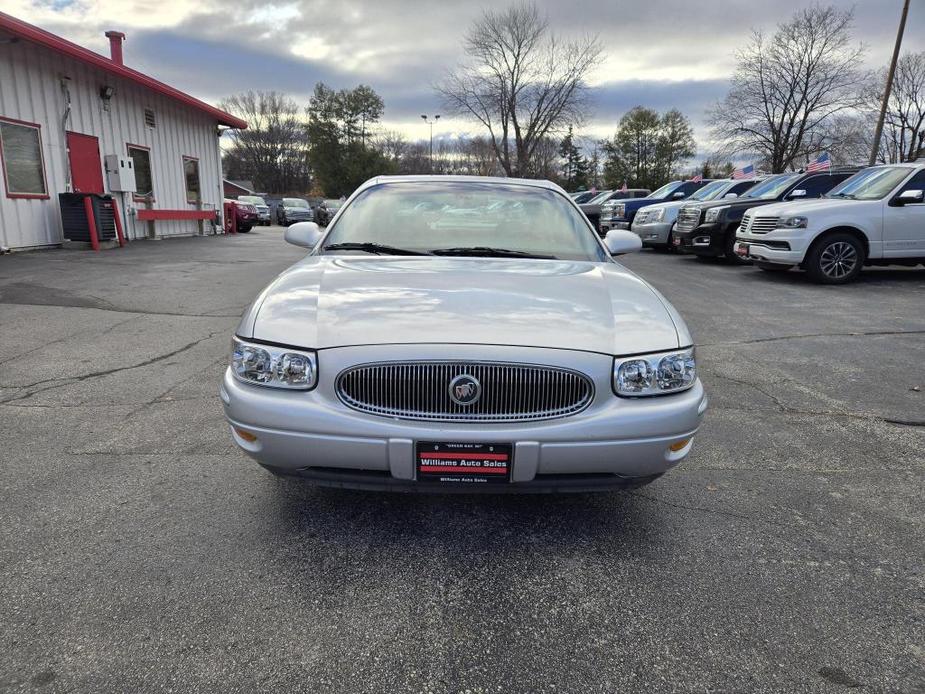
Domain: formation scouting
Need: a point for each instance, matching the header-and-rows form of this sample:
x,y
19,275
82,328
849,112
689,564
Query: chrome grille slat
x,y
762,225
420,390
688,219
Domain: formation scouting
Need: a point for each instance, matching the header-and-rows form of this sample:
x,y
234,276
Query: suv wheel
x,y
836,259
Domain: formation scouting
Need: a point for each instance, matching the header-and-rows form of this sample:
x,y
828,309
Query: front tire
x,y
835,259
730,250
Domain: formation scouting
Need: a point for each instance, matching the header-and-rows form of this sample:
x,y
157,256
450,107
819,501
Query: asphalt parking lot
x,y
141,551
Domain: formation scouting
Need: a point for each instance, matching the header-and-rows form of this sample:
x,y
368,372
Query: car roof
x,y
499,180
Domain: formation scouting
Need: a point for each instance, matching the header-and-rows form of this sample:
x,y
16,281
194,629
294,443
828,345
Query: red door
x,y
83,153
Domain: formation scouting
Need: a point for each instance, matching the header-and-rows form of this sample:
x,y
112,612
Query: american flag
x,y
624,188
744,172
697,179
822,163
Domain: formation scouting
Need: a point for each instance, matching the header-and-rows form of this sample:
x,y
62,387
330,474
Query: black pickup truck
x,y
709,229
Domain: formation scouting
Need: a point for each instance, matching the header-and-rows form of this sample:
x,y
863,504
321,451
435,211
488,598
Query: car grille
x,y
688,218
758,225
421,390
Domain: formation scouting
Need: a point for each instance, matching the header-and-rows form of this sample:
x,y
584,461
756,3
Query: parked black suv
x,y
709,229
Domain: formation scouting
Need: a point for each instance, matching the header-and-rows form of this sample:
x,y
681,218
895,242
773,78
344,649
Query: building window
x,y
144,182
21,156
149,118
191,172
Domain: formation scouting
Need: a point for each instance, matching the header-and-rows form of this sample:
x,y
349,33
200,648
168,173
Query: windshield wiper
x,y
849,196
369,247
489,252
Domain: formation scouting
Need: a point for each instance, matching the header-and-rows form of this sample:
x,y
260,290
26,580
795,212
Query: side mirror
x,y
908,197
678,195
304,234
728,196
798,193
620,242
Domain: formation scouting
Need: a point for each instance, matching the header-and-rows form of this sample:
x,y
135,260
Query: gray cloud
x,y
660,53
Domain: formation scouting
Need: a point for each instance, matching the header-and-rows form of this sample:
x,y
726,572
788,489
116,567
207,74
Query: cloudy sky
x,y
659,53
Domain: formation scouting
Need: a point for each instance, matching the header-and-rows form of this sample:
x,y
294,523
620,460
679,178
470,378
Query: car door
x,y
904,226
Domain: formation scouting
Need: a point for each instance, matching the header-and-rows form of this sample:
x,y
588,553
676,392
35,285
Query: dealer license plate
x,y
464,463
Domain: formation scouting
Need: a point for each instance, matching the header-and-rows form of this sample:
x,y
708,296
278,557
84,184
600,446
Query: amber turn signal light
x,y
678,445
246,435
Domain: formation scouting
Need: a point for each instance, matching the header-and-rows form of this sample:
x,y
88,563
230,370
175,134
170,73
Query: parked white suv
x,y
876,217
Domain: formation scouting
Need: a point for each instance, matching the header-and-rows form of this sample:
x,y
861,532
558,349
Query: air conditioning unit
x,y
74,216
120,173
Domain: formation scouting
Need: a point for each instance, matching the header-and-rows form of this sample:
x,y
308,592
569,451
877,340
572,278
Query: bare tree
x,y
904,127
521,82
786,90
273,149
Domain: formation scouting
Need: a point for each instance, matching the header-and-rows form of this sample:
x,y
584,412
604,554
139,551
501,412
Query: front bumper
x,y
780,246
616,442
607,225
706,239
654,234
298,217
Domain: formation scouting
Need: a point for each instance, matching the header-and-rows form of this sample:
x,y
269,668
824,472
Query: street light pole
x,y
875,149
431,124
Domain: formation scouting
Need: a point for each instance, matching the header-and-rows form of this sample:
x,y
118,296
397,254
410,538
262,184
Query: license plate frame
x,y
457,463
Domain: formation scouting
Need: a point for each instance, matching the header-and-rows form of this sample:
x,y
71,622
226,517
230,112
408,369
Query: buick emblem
x,y
465,390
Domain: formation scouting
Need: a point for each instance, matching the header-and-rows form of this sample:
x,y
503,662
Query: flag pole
x,y
875,149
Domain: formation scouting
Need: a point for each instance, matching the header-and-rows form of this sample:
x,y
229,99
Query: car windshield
x,y
709,191
598,199
665,190
871,184
333,204
772,187
294,202
252,199
463,218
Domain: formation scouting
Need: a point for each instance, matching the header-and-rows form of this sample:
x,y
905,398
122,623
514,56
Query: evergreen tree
x,y
574,174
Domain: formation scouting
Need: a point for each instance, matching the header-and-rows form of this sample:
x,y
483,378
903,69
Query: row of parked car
x,y
253,210
830,224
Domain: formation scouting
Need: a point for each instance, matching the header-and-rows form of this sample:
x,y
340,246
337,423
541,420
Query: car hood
x,y
734,203
791,208
335,301
633,204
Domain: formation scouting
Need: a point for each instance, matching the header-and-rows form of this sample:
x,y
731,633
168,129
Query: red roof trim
x,y
25,31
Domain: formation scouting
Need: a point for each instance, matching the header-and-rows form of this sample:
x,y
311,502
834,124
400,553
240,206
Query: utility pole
x,y
875,149
431,124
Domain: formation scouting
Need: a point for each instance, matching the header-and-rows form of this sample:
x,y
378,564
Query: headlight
x,y
618,211
277,367
714,213
654,374
791,223
656,215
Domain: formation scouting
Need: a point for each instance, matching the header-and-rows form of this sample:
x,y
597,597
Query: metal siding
x,y
30,91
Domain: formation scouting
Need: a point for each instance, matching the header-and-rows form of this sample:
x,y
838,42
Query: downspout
x,y
65,122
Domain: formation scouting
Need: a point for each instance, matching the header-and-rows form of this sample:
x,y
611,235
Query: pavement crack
x,y
118,309
784,408
68,380
781,338
702,509
68,338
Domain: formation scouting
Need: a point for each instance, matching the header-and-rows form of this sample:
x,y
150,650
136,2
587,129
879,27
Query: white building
x,y
63,108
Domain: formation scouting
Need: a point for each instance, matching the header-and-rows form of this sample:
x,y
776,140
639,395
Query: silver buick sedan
x,y
463,334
